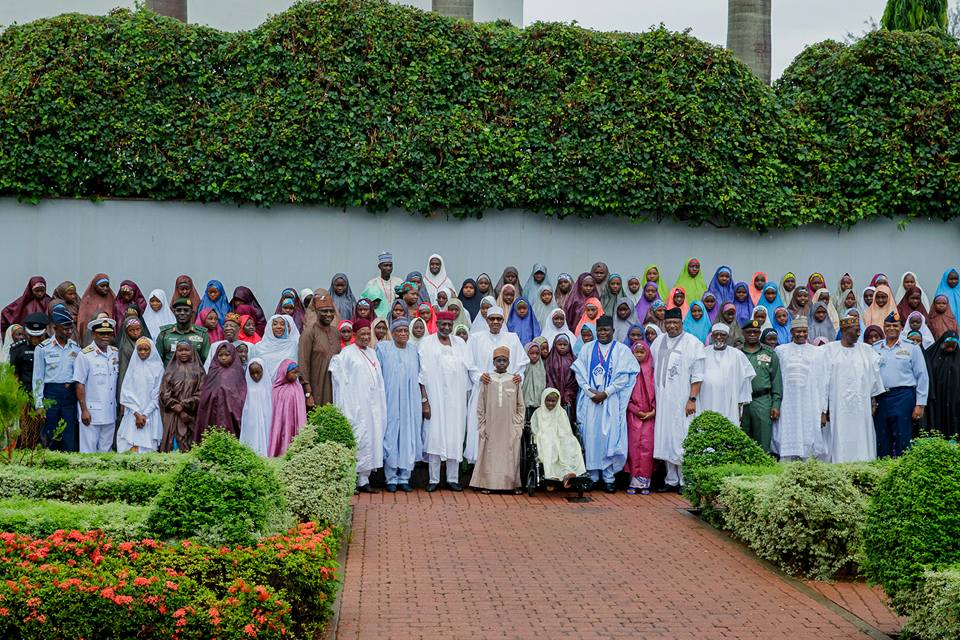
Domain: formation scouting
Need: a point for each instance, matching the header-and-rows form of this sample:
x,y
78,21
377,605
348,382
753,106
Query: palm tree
x,y
914,15
454,8
748,34
173,8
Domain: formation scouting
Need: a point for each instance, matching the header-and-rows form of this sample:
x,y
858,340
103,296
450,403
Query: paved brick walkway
x,y
449,566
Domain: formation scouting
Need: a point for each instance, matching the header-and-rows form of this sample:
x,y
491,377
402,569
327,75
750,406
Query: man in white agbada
x,y
447,373
797,435
678,374
726,377
482,344
851,376
359,393
141,427
606,371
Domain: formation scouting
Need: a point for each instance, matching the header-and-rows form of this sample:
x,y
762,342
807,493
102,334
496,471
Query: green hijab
x,y
694,287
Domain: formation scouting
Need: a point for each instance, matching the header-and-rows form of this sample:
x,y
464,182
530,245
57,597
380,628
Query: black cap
x,y
605,321
35,324
673,314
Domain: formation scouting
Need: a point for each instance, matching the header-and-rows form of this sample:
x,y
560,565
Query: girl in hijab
x,y
867,298
342,295
34,299
512,277
141,427
845,301
417,278
214,297
760,315
563,289
210,320
788,284
508,295
691,280
641,415
648,296
612,293
585,288
722,284
821,325
289,408
743,303
248,330
379,331
770,299
878,279
180,397
98,298
845,284
289,298
523,323
873,334
711,305
418,330
538,278
183,288
769,337
257,410
485,286
543,303
696,322
15,333
157,314
916,322
949,287
435,277
364,310
588,333
634,290
480,320
800,303
462,331
128,294
279,344
678,300
881,306
345,329
635,333
654,274
557,447
559,373
941,319
908,281
592,310
651,332
534,378
556,323
657,314
601,275
823,295
623,318
66,294
912,301
127,337
223,394
943,402
728,316
469,297
815,282
244,296
756,286
425,313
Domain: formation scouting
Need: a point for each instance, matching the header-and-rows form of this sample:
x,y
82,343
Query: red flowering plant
x,y
84,585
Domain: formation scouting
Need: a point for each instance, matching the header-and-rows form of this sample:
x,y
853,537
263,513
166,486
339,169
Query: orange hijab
x,y
584,318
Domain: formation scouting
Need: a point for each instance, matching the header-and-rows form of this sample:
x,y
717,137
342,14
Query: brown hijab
x,y
92,304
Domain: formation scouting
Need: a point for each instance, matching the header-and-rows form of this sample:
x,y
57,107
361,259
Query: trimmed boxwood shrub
x,y
318,479
44,517
330,425
913,522
132,487
222,493
713,441
935,607
144,462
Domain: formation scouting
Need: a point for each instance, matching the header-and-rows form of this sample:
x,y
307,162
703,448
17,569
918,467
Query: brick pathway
x,y
864,602
449,566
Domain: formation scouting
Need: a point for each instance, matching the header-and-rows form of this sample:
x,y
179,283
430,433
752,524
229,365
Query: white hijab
x,y
549,331
141,384
901,291
157,319
480,323
924,330
273,350
433,283
257,411
7,343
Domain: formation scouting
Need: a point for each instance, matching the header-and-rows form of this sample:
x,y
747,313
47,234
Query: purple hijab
x,y
745,308
643,306
222,395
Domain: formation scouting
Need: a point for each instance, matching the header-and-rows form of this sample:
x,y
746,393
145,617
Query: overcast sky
x,y
795,24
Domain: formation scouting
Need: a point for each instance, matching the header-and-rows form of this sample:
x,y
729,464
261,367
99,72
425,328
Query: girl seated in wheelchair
x,y
558,449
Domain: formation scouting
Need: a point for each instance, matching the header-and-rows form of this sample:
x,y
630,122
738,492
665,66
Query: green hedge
x,y
44,517
318,479
935,607
132,487
160,463
365,103
328,425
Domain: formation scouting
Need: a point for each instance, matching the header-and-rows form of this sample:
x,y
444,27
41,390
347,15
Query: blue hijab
x,y
745,308
783,330
952,294
770,306
221,306
700,329
723,293
643,333
578,345
526,328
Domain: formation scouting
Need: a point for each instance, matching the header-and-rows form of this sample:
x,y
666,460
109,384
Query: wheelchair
x,y
531,469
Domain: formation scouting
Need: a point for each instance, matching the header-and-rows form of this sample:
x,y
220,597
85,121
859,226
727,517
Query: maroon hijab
x,y
299,313
27,303
903,308
194,296
573,305
120,307
559,374
243,295
92,304
222,395
940,323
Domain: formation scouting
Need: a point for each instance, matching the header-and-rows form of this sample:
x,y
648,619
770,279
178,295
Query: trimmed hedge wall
x,y
364,103
132,487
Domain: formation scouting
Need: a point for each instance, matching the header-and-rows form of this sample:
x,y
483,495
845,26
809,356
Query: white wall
x,y
269,249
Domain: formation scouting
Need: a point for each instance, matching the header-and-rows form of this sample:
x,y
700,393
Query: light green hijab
x,y
694,287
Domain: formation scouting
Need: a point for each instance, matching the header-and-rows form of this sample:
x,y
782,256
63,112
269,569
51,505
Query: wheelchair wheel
x,y
531,481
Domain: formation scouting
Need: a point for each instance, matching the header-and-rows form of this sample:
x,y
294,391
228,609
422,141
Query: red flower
x,y
250,631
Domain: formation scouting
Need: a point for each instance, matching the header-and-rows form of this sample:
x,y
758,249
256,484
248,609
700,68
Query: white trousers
x,y
96,438
453,469
363,478
674,474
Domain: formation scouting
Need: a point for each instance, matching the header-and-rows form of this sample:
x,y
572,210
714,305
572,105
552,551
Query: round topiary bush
x,y
319,479
913,521
222,493
330,426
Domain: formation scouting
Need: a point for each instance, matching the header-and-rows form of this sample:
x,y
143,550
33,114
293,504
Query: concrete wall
x,y
269,249
229,15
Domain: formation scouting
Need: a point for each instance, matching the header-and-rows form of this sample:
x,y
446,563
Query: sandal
x,y
644,492
485,492
632,491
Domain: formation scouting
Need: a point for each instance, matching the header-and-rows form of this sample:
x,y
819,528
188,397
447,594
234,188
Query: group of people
x,y
426,370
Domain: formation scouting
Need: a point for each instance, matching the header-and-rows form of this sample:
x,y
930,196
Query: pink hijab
x,y
289,410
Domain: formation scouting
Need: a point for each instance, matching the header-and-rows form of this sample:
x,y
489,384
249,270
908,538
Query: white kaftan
x,y
677,364
447,373
359,393
851,377
797,434
727,375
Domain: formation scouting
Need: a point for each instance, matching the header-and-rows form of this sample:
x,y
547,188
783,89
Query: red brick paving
x,y
866,603
467,565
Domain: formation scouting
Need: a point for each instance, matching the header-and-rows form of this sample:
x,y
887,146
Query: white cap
x,y
722,328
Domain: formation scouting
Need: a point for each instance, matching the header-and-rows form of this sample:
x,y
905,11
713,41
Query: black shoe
x,y
405,487
597,485
433,486
455,486
609,488
667,488
368,489
391,488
